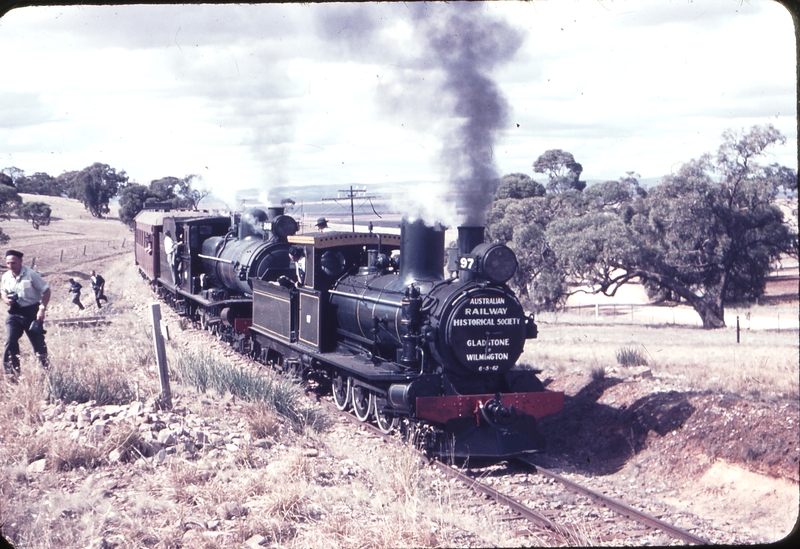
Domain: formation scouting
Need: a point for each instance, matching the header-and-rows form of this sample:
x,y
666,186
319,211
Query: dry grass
x,y
764,364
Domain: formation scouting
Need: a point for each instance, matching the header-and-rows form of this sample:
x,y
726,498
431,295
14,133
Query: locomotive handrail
x,y
212,258
365,298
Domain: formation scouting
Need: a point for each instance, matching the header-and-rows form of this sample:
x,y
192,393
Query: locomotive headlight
x,y
496,262
283,225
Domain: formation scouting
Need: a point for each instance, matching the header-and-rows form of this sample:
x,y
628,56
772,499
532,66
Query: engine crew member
x,y
322,225
171,249
298,257
27,294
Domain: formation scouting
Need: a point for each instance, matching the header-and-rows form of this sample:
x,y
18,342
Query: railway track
x,y
80,322
562,533
619,507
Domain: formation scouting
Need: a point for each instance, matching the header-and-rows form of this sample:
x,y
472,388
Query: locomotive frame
x,y
374,320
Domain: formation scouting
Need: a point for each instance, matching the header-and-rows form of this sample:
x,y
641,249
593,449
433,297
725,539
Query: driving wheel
x,y
363,401
341,391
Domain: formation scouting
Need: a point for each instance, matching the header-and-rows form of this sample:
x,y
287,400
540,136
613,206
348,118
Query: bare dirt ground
x,y
705,450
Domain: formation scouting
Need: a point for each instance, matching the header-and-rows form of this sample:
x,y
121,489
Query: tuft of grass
x,y
630,356
262,421
72,384
283,395
598,373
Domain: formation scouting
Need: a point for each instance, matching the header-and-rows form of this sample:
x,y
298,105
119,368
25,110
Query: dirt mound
x,y
608,422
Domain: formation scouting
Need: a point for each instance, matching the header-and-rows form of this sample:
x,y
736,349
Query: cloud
x,y
291,94
24,108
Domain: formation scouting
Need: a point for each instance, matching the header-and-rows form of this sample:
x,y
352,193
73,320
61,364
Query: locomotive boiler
x,y
258,249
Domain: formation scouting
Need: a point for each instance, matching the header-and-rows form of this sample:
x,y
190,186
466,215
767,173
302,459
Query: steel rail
x,y
621,508
568,532
79,320
526,512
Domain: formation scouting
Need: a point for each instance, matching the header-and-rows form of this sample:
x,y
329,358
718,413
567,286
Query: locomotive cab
x,y
328,257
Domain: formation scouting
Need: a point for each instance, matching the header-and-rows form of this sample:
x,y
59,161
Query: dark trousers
x,y
76,299
18,323
98,295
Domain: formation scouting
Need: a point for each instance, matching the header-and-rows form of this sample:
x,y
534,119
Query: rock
x,y
84,419
167,437
37,466
200,438
135,409
194,523
256,541
230,509
151,447
640,372
95,415
111,410
310,452
54,412
191,538
115,455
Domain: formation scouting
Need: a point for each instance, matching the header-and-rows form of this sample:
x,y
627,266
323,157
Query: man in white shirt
x,y
27,294
171,249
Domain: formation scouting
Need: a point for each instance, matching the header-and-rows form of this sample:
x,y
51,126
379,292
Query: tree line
x,y
94,186
706,235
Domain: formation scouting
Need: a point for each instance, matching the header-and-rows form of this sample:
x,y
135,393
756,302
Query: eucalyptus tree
x,y
95,186
708,234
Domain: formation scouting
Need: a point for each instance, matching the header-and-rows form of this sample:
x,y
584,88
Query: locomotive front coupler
x,y
494,413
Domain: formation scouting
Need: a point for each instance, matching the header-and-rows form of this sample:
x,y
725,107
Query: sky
x,y
433,98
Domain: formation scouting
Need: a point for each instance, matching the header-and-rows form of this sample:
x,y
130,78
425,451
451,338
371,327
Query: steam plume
x,y
466,46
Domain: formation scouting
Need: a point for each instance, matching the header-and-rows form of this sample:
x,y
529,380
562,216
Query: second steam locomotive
x,y
370,316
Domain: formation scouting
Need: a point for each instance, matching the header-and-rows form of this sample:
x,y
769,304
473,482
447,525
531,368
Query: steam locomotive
x,y
370,316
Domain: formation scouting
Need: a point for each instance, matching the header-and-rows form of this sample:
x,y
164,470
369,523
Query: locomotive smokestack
x,y
251,223
421,252
275,211
468,238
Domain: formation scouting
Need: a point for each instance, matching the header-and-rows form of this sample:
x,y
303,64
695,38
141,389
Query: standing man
x,y
99,286
27,295
171,249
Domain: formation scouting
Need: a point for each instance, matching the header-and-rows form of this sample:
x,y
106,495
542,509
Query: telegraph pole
x,y
351,194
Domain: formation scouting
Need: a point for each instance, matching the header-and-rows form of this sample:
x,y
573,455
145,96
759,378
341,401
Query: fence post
x,y
84,249
737,328
161,356
61,257
33,263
